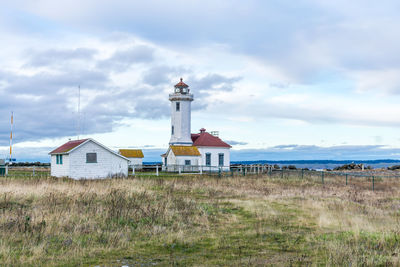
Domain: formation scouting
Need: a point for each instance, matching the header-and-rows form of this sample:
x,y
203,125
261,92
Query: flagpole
x,y
11,135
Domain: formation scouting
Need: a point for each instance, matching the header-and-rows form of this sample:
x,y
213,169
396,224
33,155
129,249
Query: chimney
x,y
202,130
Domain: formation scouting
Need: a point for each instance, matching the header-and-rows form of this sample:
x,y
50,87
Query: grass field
x,y
200,221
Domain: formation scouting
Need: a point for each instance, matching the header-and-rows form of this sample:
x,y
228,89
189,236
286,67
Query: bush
x,y
394,167
351,166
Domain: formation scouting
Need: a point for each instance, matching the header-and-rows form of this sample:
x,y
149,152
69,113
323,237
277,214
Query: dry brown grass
x,y
199,220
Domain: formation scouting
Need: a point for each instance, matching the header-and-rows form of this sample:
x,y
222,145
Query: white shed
x,y
87,159
187,158
135,157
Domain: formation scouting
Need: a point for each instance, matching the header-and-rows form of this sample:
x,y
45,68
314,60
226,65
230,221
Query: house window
x,y
187,162
221,159
91,157
178,106
208,159
172,130
59,159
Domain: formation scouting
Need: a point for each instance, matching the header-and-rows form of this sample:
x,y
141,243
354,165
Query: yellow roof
x,y
131,153
185,151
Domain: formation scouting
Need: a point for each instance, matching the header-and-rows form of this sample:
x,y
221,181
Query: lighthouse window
x,y
178,106
172,130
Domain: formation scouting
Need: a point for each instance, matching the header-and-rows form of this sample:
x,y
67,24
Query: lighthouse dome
x,y
182,87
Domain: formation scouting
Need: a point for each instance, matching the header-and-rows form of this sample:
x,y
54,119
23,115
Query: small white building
x,y
135,157
201,150
182,158
87,159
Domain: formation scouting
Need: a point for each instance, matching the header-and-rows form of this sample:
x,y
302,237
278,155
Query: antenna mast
x,y
79,110
11,135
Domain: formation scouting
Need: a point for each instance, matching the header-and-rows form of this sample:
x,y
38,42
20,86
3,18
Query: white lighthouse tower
x,y
181,115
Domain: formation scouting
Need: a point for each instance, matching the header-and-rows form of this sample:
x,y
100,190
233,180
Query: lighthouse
x,y
191,152
181,115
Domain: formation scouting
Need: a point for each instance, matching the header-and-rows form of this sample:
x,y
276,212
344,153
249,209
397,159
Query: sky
x,y
279,80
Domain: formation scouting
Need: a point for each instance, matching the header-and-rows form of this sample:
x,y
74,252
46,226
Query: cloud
x,y
312,62
236,143
213,82
50,83
299,40
60,56
45,89
121,60
208,85
28,154
386,81
162,74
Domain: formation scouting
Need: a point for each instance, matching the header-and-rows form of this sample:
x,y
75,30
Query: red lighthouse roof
x,y
181,84
205,139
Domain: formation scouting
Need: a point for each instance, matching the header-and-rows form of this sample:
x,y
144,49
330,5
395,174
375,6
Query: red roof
x,y
68,146
181,84
205,139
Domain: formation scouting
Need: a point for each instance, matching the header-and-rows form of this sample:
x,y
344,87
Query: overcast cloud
x,y
45,101
288,70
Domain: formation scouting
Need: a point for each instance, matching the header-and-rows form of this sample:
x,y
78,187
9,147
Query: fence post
x,y
33,172
244,171
157,170
133,170
373,183
282,173
231,172
322,177
179,169
201,170
219,172
6,170
302,174
346,178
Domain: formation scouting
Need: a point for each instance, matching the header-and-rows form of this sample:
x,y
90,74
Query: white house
x,y
214,151
201,150
87,159
135,157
